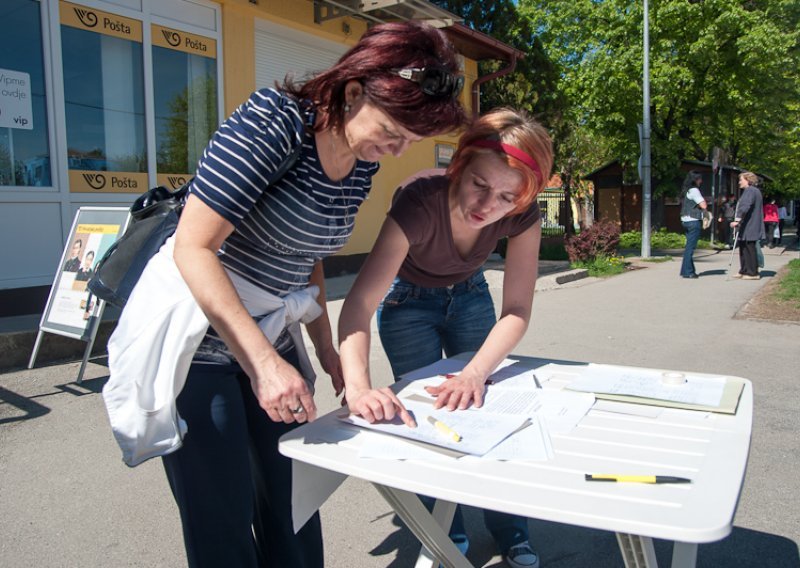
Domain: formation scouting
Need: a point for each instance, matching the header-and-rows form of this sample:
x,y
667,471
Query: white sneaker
x,y
521,556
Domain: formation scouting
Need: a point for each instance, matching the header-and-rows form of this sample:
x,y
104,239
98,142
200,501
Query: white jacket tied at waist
x,y
152,347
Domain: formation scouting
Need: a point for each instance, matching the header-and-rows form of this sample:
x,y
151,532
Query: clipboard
x,y
731,393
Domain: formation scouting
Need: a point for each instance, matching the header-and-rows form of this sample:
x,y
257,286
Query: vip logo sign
x,y
16,110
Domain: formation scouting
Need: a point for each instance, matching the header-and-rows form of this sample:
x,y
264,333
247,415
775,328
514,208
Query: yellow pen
x,y
637,478
444,429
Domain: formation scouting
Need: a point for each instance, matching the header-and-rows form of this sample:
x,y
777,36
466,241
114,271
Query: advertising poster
x,y
70,307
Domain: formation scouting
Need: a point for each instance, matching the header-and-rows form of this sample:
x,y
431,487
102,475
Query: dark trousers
x,y
232,487
770,230
748,261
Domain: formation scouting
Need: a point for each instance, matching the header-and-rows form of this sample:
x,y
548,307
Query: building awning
x,y
379,11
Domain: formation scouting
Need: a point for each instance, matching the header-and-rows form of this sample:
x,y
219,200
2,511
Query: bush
x,y
601,239
664,240
603,265
661,239
630,240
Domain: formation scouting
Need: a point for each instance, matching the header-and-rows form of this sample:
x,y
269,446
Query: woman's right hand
x,y
280,388
375,405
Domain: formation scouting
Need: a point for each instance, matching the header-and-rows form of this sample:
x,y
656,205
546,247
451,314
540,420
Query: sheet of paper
x,y
479,432
381,446
562,410
532,443
706,391
517,402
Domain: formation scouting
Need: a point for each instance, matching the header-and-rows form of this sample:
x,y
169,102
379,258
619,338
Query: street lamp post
x,y
645,159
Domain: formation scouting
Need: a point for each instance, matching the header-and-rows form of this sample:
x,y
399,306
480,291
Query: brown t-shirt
x,y
421,209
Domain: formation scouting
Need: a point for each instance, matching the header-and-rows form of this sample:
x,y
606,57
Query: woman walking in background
x,y
749,222
771,219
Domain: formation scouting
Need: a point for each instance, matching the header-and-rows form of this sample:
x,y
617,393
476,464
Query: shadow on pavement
x,y
567,546
15,407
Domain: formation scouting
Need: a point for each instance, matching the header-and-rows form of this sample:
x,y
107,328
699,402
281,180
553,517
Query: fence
x,y
552,205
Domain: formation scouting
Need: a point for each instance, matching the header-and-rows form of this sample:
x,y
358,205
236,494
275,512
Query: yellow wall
x,y
238,40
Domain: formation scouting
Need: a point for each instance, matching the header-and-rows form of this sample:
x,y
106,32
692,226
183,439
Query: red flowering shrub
x,y
599,240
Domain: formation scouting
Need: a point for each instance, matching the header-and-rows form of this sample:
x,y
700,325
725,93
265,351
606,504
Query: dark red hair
x,y
382,49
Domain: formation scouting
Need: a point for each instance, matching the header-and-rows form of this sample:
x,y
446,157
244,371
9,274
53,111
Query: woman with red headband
x,y
441,228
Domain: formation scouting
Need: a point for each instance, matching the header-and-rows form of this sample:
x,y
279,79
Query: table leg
x,y
424,526
684,555
637,551
443,512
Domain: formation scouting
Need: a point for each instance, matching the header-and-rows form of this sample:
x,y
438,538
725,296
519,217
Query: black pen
x,y
637,478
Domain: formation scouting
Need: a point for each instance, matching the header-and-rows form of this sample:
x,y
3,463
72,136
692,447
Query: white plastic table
x,y
709,448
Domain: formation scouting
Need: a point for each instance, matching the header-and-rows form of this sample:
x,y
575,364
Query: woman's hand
x,y
331,364
374,405
281,390
459,391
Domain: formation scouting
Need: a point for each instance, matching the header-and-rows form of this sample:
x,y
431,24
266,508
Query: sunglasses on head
x,y
433,81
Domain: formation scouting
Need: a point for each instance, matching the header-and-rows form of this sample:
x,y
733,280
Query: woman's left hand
x,y
331,364
459,392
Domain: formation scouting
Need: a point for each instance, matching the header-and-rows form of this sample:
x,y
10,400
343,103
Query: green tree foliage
x,y
724,73
532,84
191,122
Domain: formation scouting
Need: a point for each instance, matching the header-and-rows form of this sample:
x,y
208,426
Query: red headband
x,y
510,150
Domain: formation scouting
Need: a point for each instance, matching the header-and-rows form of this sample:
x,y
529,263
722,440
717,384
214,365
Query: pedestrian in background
x,y
771,222
750,221
692,206
727,214
782,215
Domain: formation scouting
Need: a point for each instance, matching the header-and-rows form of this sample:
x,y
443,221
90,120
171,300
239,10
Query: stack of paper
x,y
514,422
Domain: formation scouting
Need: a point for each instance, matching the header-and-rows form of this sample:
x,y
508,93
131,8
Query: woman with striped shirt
x,y
244,236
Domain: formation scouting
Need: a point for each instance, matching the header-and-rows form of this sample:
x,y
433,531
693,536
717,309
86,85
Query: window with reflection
x,y
185,94
104,100
24,146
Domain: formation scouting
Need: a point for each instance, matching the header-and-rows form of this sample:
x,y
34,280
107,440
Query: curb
x,y
571,275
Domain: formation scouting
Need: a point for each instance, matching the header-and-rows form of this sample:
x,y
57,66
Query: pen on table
x,y
536,380
444,429
637,478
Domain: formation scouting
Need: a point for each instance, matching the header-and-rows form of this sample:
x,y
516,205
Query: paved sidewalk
x,y
66,498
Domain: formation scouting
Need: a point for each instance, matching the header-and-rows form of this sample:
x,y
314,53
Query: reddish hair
x,y
515,128
382,49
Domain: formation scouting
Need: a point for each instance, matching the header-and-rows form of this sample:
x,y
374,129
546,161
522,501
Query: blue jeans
x,y
692,236
232,487
416,325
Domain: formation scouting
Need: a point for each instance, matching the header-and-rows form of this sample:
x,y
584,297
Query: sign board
x,y
93,231
16,109
71,309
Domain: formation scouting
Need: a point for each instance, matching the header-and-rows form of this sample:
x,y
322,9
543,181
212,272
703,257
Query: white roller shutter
x,y
280,50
